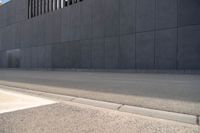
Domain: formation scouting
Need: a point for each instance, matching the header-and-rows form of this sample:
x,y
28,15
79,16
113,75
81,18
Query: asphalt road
x,y
75,118
171,92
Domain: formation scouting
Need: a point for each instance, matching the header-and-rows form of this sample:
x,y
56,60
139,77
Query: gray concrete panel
x,y
4,39
65,25
127,16
23,4
70,29
98,53
38,36
145,15
189,12
22,59
75,22
17,35
189,40
68,58
166,49
5,12
3,16
1,38
3,60
13,56
111,53
58,56
8,37
12,33
26,58
98,18
166,14
111,17
20,10
26,32
86,19
10,13
75,54
87,30
145,49
127,52
34,57
53,27
44,57
21,15
86,54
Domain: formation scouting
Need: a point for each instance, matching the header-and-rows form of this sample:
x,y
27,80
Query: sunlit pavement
x,y
12,101
21,113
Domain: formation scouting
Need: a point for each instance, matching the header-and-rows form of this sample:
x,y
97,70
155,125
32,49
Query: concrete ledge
x,y
160,114
46,95
95,103
57,96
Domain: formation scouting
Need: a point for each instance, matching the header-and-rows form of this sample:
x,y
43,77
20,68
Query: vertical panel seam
x,y
155,27
177,47
135,34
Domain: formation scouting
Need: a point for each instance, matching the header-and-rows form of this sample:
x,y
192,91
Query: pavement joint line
x,y
198,120
73,99
184,118
120,107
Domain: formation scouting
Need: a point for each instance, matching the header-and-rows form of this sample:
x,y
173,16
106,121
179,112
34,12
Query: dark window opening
x,y
13,58
39,7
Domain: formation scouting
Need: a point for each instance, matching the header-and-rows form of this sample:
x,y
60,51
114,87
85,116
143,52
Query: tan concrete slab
x,y
12,101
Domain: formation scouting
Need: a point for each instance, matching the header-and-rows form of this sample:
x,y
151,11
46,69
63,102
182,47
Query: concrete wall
x,y
104,34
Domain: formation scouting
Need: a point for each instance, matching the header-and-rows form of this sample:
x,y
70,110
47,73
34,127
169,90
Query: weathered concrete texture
x,y
86,54
86,20
145,19
127,16
145,49
166,49
109,34
98,53
73,118
166,14
189,12
189,47
127,52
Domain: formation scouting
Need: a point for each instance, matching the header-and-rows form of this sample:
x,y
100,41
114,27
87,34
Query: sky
x,y
3,1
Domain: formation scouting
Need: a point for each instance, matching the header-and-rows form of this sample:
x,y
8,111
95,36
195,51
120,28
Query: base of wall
x,y
197,71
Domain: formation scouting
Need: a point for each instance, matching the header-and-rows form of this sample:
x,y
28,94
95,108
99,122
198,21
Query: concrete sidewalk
x,y
76,118
12,101
169,92
28,113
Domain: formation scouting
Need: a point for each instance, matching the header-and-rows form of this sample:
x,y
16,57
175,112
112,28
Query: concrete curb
x,y
191,119
57,96
102,104
184,118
